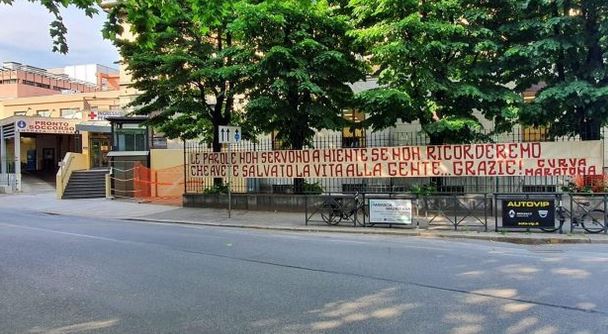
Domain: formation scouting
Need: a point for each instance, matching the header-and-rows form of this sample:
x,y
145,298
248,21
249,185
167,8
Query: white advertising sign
x,y
390,211
102,115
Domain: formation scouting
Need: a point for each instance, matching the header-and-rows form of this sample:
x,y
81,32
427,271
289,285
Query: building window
x,y
20,113
534,134
43,113
353,135
70,113
276,143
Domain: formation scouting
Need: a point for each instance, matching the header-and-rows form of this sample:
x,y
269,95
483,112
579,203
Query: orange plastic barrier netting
x,y
163,186
596,183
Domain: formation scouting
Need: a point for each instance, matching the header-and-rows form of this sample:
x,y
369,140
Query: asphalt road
x,y
61,274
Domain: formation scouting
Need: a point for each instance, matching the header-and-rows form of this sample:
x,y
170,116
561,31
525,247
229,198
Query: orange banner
x,y
503,159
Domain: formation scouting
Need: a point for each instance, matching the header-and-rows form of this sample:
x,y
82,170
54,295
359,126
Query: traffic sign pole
x,y
226,138
229,182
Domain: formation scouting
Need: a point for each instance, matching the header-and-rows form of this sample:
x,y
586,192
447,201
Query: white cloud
x,y
24,37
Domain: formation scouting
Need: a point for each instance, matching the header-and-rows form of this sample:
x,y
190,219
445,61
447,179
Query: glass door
x,y
100,146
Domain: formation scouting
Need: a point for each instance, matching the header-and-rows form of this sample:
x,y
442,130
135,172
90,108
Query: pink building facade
x,y
18,80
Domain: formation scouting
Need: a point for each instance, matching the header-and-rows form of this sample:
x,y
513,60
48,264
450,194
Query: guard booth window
x,y
130,137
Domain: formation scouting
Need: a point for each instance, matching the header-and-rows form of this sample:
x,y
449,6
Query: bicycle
x,y
591,221
334,210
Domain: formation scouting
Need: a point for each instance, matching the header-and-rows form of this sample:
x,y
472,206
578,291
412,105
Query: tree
x,y
561,46
58,30
436,64
303,61
184,61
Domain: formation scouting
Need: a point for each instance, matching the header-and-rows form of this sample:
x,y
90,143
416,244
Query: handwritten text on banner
x,y
508,159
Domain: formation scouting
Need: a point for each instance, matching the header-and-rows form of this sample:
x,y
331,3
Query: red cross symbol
x,y
92,115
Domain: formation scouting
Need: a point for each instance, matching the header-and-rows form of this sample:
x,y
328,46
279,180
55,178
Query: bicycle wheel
x,y
593,221
330,214
360,218
549,229
559,221
552,229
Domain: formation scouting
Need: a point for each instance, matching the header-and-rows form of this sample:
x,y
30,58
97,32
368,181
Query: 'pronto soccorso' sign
x,y
43,125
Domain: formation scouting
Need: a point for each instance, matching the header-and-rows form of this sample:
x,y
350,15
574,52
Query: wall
x,y
254,202
54,103
9,91
161,159
167,158
72,162
88,72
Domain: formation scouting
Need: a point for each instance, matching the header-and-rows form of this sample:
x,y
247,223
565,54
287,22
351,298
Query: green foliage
x,y
57,29
437,63
313,188
423,190
302,64
216,189
444,63
184,61
562,46
572,187
383,106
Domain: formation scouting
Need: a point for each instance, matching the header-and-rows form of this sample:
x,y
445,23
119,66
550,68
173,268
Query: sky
x,y
24,37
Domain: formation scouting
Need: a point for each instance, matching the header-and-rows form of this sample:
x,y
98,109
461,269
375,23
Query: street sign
x,y
229,134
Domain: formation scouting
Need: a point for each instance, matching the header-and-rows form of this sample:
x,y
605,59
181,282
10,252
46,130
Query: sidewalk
x,y
280,221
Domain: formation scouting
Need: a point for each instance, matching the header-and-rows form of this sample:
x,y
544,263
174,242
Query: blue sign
x,y
21,124
237,136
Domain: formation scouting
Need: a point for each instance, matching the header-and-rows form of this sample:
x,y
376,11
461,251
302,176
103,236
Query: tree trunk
x,y
590,129
297,143
437,182
217,147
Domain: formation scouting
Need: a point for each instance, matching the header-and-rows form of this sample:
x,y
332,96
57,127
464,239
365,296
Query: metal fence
x,y
457,185
572,212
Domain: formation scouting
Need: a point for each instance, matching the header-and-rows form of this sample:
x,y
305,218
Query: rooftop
x,y
14,66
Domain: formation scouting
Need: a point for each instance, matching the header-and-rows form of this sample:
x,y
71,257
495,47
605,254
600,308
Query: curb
x,y
408,233
275,228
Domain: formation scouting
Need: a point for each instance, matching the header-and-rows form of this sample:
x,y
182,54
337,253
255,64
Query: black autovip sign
x,y
528,213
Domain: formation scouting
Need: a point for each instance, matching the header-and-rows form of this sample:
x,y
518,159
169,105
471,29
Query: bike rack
x,y
460,210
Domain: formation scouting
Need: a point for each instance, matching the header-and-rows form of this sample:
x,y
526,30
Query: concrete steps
x,y
86,184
